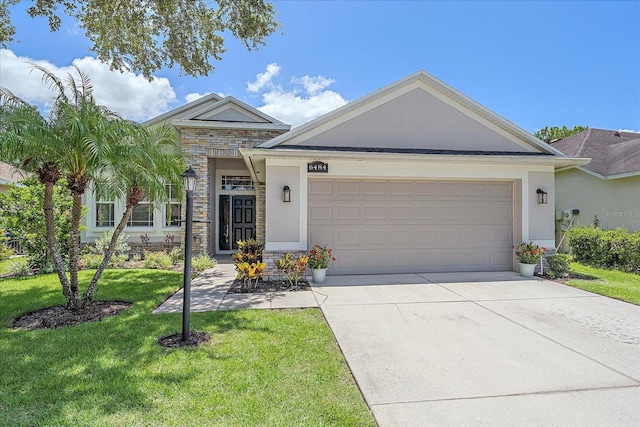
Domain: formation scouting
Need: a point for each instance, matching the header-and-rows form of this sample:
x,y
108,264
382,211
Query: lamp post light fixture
x,y
189,186
286,194
542,196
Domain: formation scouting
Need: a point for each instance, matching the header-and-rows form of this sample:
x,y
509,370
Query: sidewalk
x,y
209,293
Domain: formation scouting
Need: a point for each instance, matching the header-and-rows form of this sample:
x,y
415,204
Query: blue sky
x,y
537,63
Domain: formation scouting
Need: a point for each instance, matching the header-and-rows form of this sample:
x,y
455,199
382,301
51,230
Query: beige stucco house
x,y
607,188
9,176
413,177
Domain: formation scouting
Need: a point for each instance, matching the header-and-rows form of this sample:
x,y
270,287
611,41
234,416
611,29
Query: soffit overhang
x,y
255,158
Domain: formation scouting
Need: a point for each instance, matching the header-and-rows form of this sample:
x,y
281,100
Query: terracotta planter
x,y
527,270
319,275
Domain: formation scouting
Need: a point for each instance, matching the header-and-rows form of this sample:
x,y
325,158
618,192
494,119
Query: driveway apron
x,y
486,349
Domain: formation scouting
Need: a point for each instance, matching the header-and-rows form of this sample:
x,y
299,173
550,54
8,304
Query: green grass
x,y
262,367
610,283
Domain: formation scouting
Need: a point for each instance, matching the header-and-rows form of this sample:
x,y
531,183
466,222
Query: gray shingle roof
x,y
612,152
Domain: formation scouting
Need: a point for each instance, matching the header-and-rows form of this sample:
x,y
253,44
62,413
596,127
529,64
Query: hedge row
x,y
616,249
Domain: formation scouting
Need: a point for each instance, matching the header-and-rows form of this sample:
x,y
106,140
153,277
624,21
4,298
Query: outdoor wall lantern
x,y
286,194
189,177
542,196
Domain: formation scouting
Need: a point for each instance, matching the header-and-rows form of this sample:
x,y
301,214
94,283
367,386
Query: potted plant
x,y
319,259
528,255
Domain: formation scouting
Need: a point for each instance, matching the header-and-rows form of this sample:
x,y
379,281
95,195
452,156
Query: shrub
x,y
248,261
558,265
101,245
249,251
176,256
21,212
292,268
201,263
18,267
90,261
157,260
5,251
614,249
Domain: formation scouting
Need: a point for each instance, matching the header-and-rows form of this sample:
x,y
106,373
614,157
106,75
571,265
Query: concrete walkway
x,y
209,293
468,348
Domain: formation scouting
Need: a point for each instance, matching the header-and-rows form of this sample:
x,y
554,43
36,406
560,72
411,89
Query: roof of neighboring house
x,y
9,174
614,154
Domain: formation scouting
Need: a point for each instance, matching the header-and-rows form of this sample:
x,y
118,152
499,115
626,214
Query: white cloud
x,y
128,94
629,130
264,79
313,84
190,97
307,99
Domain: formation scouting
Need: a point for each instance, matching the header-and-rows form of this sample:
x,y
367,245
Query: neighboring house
x,y
606,188
9,176
413,177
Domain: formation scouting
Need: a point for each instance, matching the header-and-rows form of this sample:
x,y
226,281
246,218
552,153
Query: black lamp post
x,y
189,186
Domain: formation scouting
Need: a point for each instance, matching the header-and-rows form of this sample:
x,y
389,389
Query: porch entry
x,y
237,220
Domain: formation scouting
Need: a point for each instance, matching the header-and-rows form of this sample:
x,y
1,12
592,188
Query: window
x,y
237,182
142,215
173,207
105,213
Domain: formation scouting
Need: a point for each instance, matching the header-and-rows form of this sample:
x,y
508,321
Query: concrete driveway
x,y
486,349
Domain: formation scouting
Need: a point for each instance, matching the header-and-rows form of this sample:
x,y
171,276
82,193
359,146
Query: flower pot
x,y
319,275
526,270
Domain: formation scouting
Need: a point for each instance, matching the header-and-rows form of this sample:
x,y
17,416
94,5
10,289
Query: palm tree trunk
x,y
47,207
88,296
74,251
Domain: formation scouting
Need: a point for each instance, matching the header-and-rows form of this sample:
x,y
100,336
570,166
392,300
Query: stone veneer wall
x,y
269,257
199,144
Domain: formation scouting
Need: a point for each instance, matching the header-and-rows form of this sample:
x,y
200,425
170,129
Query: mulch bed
x,y
570,276
175,340
58,316
264,286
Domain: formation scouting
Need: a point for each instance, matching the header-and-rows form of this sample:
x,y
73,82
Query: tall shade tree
x,y
33,143
144,162
553,133
145,35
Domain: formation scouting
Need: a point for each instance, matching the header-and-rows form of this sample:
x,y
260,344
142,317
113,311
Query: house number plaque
x,y
317,167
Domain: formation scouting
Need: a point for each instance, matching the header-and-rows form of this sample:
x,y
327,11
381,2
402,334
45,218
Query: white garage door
x,y
393,226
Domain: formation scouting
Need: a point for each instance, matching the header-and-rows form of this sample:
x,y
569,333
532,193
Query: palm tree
x,y
76,142
144,161
89,133
32,143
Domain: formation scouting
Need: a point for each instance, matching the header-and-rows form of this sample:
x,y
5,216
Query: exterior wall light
x,y
542,196
286,194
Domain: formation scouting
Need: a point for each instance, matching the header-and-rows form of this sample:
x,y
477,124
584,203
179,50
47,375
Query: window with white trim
x,y
173,207
105,213
237,182
142,215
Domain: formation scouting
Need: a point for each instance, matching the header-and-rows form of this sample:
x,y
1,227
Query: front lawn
x,y
610,283
262,367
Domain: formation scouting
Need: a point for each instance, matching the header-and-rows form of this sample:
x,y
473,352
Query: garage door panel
x,y
378,226
375,188
375,237
348,212
375,213
402,213
320,213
